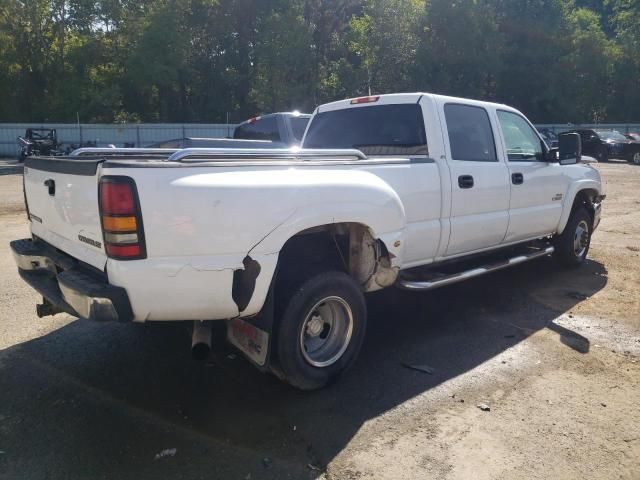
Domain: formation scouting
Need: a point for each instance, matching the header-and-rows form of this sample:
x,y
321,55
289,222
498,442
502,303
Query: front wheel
x,y
321,330
572,245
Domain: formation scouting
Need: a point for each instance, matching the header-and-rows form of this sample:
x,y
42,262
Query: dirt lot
x,y
553,353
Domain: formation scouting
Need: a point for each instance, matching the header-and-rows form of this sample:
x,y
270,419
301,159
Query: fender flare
x,y
374,204
570,197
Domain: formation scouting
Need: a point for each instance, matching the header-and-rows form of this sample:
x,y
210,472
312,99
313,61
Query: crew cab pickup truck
x,y
415,191
275,130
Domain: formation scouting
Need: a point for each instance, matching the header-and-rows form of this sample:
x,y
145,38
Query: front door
x,y
537,186
480,185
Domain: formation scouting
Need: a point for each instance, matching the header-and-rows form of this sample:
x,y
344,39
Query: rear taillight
x,y
121,218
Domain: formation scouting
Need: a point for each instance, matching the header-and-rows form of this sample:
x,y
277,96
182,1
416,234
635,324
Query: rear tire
x,y
636,158
603,154
321,329
572,245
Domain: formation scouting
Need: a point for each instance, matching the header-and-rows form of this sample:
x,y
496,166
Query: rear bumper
x,y
68,284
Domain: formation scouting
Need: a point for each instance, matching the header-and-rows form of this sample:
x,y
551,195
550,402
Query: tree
x,y
460,49
283,76
385,41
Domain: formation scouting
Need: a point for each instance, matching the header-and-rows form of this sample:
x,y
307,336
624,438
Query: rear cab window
x,y
392,129
470,133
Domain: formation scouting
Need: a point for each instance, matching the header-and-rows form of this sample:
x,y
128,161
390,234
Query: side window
x,y
242,131
265,128
523,143
470,134
298,126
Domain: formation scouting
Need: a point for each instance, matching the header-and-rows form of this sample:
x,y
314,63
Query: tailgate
x,y
62,198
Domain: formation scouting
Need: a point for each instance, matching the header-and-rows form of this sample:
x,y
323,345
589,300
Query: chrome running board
x,y
421,285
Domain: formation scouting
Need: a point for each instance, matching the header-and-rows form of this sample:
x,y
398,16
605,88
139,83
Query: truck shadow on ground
x,y
101,400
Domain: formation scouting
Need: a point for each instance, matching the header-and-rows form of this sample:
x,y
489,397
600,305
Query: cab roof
x,y
391,98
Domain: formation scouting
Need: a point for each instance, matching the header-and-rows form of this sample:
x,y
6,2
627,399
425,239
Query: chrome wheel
x,y
636,158
581,239
326,331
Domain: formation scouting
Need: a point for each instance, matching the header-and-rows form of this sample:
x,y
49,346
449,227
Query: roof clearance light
x,y
356,101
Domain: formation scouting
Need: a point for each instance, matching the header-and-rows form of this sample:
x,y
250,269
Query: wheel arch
x,y
351,247
581,194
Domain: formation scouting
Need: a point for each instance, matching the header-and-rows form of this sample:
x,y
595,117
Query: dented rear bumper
x,y
69,285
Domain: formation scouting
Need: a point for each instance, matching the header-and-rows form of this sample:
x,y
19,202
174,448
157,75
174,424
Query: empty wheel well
x,y
346,247
313,249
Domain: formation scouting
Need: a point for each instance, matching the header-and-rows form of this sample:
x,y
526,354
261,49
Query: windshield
x,y
375,130
609,135
299,125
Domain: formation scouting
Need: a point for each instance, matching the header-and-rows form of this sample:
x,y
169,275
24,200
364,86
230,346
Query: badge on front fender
x,y
249,339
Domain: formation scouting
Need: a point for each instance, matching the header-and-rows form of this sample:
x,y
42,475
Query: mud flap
x,y
249,339
252,336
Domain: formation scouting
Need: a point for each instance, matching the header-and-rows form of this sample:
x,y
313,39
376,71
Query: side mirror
x,y
569,148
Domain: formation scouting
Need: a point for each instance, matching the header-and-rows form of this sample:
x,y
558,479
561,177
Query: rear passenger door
x,y
480,181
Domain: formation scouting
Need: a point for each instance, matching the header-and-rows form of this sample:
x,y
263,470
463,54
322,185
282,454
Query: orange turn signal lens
x,y
119,224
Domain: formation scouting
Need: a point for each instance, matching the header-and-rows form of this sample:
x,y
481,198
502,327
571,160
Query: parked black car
x,y
550,138
606,144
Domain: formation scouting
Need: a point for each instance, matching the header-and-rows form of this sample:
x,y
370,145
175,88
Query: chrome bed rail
x,y
188,155
87,151
199,154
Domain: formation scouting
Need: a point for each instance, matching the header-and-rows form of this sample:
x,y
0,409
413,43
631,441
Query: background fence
x,y
138,135
144,134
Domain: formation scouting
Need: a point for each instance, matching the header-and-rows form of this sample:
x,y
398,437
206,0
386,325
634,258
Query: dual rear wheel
x,y
320,329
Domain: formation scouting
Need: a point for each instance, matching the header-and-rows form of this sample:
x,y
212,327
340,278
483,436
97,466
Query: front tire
x,y
321,330
572,245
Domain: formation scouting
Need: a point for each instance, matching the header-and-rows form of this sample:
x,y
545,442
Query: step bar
x,y
421,285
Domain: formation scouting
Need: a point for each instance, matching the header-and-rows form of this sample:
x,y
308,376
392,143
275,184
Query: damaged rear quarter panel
x,y
201,222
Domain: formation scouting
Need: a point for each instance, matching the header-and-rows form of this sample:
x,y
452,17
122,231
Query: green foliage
x,y
206,60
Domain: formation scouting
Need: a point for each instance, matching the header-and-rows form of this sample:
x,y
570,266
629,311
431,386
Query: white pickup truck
x,y
415,191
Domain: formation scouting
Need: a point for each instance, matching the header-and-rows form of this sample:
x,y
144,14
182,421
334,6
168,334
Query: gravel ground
x,y
552,353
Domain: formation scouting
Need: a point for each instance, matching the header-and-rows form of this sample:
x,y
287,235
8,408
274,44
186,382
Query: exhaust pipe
x,y
201,340
47,308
